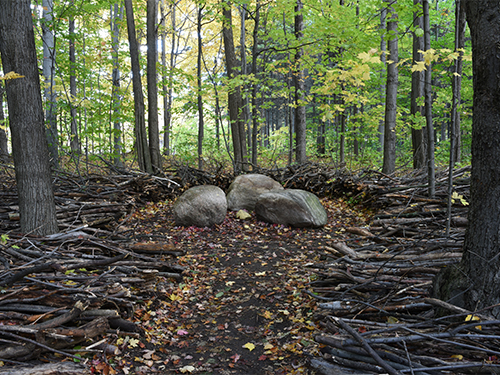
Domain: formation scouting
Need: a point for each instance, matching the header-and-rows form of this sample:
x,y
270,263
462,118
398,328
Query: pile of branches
x,y
374,291
69,288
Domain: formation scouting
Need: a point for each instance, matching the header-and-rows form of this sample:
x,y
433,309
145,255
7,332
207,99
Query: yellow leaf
x,y
249,346
267,315
458,356
175,297
268,346
243,215
132,343
11,75
260,273
392,320
418,67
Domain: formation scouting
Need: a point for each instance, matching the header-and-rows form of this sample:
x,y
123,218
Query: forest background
x,y
313,79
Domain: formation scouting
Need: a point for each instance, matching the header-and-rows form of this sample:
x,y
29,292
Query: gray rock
x,y
201,206
298,208
245,190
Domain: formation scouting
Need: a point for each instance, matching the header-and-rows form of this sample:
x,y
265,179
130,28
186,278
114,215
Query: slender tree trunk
x,y
389,164
167,77
75,141
234,97
417,91
201,122
300,108
383,58
141,141
457,80
255,120
117,16
152,58
49,66
4,146
29,143
246,103
428,106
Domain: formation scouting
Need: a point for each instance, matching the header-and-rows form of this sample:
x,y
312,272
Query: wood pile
x,y
374,292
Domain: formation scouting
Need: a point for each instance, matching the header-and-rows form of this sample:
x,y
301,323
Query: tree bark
x,y
300,108
49,66
235,101
201,121
117,16
152,57
255,117
141,141
480,261
417,92
29,143
457,80
4,145
75,141
431,178
389,164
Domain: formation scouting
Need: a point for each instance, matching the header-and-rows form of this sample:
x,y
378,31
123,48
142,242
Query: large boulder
x,y
245,190
201,206
298,208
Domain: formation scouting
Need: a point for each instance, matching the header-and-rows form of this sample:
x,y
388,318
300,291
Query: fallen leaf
x,y
249,346
243,215
268,346
260,273
185,369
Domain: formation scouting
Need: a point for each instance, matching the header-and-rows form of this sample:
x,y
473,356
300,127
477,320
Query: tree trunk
x,y
255,117
49,67
141,141
117,16
75,141
152,41
167,77
431,178
383,58
417,91
201,121
389,164
235,101
457,80
480,260
29,143
300,108
4,145
474,284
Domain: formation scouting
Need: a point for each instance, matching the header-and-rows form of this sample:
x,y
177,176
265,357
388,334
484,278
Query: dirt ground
x,y
241,307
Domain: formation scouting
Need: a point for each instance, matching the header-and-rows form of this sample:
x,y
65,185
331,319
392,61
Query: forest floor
x,y
241,308
244,297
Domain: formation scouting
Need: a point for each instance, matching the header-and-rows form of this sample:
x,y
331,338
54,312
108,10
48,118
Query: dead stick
x,y
391,370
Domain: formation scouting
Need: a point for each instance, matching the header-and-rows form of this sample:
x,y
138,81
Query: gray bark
x,y
201,121
417,91
389,164
4,145
29,143
152,57
235,101
141,141
480,261
431,178
300,108
117,16
49,67
457,81
74,141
